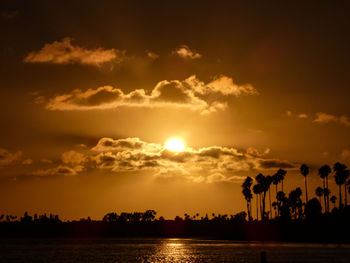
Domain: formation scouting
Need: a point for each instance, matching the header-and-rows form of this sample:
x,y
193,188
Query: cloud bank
x,y
207,164
64,52
190,93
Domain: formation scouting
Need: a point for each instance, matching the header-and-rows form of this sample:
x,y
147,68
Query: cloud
x,y
274,163
185,52
73,158
27,162
59,170
208,164
252,151
302,116
322,117
190,93
152,55
8,158
64,52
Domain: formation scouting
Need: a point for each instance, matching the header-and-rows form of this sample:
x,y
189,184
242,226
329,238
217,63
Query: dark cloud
x,y
275,163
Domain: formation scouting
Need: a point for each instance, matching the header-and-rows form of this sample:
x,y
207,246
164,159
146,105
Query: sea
x,y
57,250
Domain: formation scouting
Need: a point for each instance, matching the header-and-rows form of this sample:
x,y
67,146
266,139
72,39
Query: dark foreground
x,y
164,250
322,230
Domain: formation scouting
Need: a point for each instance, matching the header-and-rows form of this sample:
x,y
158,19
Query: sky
x,y
90,93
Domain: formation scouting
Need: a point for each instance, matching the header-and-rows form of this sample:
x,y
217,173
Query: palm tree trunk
x,y
248,209
261,215
324,195
263,200
270,203
340,201
327,194
257,207
276,190
282,185
307,199
345,195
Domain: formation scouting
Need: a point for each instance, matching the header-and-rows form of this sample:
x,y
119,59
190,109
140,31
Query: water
x,y
164,250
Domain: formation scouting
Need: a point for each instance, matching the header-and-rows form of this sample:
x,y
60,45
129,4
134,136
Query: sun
x,y
175,144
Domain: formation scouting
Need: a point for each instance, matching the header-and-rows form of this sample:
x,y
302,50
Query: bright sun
x,y
175,144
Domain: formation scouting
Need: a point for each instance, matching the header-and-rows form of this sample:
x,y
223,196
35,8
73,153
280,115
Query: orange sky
x,y
91,92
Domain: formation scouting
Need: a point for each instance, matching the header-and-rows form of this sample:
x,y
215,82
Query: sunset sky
x,y
91,91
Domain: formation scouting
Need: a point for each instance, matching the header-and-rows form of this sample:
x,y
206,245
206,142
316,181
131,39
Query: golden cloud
x,y
64,52
185,52
190,93
209,164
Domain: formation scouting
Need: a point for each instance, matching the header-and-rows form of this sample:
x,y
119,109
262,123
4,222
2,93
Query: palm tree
x,y
247,192
319,192
281,174
280,199
304,170
324,171
346,176
275,205
340,178
264,182
269,182
333,200
276,180
326,193
257,191
295,201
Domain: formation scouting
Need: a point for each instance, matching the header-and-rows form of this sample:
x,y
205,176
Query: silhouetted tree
x,y
304,170
276,180
247,192
257,191
319,193
281,175
275,206
324,171
333,200
280,199
346,176
295,202
264,183
313,209
340,177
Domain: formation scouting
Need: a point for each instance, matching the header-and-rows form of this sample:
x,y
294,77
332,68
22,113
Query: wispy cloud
x,y
64,52
322,117
190,93
185,52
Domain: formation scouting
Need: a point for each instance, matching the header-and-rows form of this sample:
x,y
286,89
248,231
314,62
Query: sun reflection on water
x,y
172,250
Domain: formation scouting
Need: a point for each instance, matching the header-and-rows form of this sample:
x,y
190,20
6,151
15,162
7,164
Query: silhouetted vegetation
x,y
292,219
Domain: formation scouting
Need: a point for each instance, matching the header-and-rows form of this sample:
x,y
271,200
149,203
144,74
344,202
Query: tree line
x,y
292,206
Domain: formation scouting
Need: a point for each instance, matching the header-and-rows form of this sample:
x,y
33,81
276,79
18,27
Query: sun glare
x,y
175,144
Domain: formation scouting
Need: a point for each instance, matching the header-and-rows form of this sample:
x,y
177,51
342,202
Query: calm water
x,y
164,250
